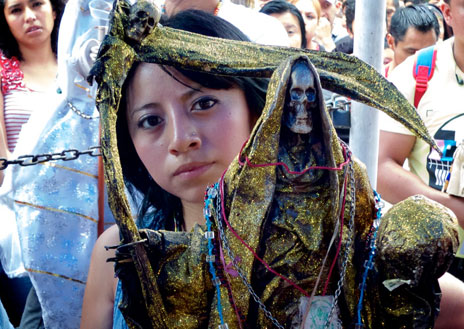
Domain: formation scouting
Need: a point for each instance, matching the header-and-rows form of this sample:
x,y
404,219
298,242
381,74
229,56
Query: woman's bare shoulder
x,y
97,310
109,237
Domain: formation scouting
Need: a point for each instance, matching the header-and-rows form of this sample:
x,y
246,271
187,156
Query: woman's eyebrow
x,y
190,93
144,107
14,5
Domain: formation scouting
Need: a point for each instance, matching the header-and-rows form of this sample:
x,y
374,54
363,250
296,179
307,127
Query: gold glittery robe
x,y
166,282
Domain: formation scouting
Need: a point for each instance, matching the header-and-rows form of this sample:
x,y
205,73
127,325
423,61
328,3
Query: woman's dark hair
x,y
281,7
160,209
9,45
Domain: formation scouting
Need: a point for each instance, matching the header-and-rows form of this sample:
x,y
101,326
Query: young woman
x,y
28,68
28,61
291,19
193,124
311,12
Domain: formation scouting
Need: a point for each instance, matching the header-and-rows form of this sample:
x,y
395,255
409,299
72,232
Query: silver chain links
x,y
65,155
348,242
80,113
231,255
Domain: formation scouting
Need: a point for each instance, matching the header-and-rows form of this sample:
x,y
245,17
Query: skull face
x,y
143,18
301,99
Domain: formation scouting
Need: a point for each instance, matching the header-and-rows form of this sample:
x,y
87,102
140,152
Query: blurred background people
x,y
391,7
345,44
291,19
258,27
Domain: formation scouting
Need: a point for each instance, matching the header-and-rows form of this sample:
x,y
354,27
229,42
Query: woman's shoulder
x,y
109,237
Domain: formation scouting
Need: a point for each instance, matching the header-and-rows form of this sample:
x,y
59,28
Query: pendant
x,y
319,312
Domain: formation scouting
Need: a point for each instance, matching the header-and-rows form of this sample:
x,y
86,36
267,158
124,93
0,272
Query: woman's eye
x,y
204,103
15,10
37,4
149,122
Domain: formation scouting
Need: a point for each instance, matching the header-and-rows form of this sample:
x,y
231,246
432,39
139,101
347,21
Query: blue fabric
x,y
425,58
4,321
118,319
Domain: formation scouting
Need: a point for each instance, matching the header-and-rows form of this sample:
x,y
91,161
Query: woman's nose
x,y
184,135
29,14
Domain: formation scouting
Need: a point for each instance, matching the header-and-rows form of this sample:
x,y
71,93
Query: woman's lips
x,y
33,29
192,170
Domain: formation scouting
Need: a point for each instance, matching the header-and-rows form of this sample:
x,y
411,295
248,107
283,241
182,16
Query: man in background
x,y
442,111
412,28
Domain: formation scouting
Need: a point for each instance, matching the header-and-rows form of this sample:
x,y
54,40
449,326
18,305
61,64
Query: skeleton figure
x,y
143,18
302,96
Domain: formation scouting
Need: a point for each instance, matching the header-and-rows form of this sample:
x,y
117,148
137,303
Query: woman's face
x,y
186,135
30,21
292,26
306,7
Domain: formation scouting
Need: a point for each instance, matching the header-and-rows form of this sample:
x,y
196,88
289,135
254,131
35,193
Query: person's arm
x,y
97,309
395,183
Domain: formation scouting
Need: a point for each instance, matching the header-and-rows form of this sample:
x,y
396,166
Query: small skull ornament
x,y
301,98
143,18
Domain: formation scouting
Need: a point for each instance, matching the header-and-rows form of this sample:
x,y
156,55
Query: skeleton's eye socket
x,y
151,21
311,95
142,14
296,94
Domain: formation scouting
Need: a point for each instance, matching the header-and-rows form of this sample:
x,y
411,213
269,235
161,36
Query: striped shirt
x,y
18,101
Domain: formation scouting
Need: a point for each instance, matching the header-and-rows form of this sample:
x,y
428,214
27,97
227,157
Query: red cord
x,y
340,167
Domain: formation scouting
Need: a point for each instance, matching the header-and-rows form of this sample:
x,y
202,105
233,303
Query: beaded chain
x,y
369,263
210,194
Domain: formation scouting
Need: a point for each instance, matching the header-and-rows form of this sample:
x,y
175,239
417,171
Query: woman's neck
x,y
193,214
40,67
37,56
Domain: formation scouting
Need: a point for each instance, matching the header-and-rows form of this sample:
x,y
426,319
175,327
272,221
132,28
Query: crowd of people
x,y
176,139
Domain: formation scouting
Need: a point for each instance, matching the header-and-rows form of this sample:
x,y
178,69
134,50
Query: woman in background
x,y
311,11
28,61
291,19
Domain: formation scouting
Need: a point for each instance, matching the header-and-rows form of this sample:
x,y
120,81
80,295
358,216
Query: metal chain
x,y
65,155
348,242
231,255
80,113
